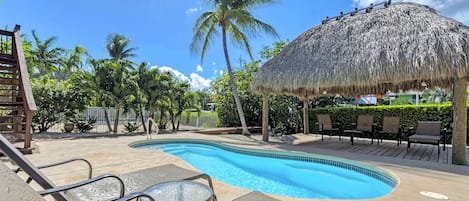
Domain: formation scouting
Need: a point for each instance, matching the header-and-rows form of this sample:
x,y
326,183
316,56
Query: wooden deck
x,y
388,148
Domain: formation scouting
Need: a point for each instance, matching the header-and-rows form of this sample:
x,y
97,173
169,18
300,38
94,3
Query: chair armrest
x,y
443,135
135,195
83,183
90,167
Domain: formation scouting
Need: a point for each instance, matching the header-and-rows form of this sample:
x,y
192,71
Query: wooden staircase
x,y
16,99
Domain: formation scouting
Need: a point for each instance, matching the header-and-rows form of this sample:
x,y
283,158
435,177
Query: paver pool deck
x,y
113,155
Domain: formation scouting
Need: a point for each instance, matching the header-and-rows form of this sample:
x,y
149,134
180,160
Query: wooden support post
x,y
265,117
305,116
28,135
460,121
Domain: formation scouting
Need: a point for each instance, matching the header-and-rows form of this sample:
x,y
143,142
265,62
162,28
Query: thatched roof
x,y
398,47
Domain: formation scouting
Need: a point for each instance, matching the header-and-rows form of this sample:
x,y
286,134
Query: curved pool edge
x,y
369,170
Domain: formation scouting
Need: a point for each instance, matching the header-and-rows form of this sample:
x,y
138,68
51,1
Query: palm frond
x,y
239,38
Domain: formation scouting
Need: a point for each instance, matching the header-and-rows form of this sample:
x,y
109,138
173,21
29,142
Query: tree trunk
x,y
143,120
116,119
305,116
265,118
460,121
106,117
233,86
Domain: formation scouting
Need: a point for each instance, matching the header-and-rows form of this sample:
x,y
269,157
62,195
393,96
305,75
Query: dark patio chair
x,y
428,132
13,187
391,126
364,126
325,126
103,186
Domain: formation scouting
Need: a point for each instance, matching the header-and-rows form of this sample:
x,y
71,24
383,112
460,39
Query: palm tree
x,y
45,57
119,51
72,62
233,18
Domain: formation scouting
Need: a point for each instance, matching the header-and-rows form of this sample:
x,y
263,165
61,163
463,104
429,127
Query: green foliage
x,y
55,100
402,100
226,107
206,119
409,114
131,126
84,126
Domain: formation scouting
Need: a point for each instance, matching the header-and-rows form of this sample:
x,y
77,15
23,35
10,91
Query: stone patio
x,y
113,155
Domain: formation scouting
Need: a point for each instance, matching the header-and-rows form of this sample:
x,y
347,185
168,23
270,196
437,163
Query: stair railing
x,y
27,93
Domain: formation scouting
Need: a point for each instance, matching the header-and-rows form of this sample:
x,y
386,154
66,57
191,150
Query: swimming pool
x,y
281,173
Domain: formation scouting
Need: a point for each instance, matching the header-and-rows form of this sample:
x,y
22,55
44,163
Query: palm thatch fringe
x,y
404,46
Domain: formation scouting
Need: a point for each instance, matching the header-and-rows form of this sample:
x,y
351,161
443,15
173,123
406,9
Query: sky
x,y
161,30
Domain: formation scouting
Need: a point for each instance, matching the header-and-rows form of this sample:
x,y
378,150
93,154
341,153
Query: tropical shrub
x,y
131,127
56,100
84,126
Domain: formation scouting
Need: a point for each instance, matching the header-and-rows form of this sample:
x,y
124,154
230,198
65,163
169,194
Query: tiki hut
x,y
399,46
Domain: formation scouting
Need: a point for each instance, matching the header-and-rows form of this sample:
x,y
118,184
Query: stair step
x,y
7,59
9,81
10,103
11,123
7,68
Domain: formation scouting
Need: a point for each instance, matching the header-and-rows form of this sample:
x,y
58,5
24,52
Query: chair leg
x,y
351,138
408,146
438,148
322,136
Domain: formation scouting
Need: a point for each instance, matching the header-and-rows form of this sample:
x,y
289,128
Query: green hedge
x,y
409,115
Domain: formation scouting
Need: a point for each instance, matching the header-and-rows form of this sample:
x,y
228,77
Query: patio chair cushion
x,y
255,196
424,138
13,188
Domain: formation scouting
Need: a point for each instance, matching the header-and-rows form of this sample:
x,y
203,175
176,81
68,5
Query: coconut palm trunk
x,y
106,117
116,119
233,85
143,119
460,121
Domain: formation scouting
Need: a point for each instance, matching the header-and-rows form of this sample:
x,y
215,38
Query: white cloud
x,y
199,68
214,63
193,10
457,9
221,72
196,81
181,77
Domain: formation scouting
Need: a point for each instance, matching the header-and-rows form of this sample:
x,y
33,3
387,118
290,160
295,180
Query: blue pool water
x,y
291,178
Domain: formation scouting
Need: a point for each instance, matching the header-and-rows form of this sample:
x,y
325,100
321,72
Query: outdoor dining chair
x,y
428,132
391,126
325,126
364,127
103,186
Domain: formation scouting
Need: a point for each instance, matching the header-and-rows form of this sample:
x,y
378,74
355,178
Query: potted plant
x,y
69,125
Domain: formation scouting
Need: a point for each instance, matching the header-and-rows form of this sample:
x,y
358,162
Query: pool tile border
x,y
313,158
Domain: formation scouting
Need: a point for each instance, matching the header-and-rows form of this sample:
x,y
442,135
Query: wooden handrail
x,y
6,33
28,97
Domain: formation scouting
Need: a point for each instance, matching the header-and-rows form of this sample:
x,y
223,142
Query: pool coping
x,y
351,165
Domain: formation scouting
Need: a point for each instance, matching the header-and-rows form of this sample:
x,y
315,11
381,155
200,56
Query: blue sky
x,y
162,29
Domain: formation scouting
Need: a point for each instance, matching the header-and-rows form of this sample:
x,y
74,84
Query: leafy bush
x,y
84,126
131,127
55,100
409,115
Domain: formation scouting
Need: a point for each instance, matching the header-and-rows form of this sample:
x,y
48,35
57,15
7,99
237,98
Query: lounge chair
x,y
103,186
391,126
364,126
428,132
13,187
255,196
325,126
